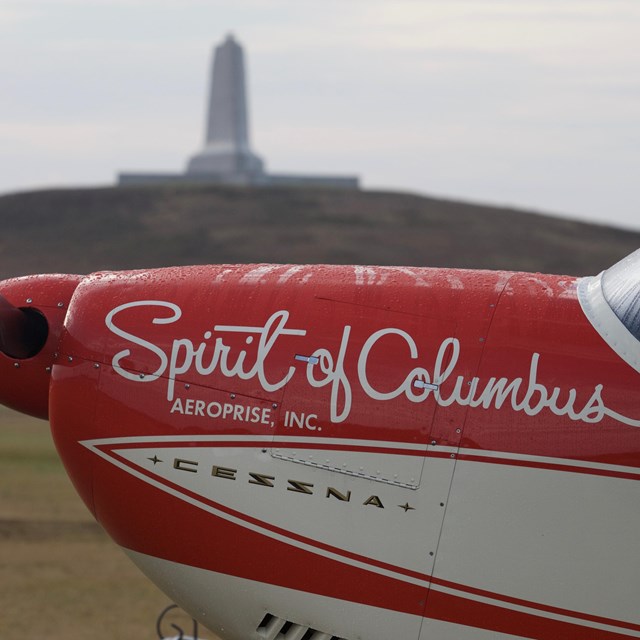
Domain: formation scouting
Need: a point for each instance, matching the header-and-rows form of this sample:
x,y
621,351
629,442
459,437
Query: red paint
x,y
25,381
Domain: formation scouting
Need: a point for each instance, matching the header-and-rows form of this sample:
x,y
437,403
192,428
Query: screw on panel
x,y
458,430
16,365
29,300
48,369
187,386
274,405
264,451
233,396
70,358
96,365
453,455
430,553
141,376
481,339
61,304
433,442
442,504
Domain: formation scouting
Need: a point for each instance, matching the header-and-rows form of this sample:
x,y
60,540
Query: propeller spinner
x,y
32,313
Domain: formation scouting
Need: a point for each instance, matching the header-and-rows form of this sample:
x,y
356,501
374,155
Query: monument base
x,y
211,161
240,179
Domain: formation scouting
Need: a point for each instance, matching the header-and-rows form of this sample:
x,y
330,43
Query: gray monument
x,y
226,151
227,157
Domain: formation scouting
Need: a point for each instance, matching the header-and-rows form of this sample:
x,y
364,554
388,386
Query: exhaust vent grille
x,y
273,628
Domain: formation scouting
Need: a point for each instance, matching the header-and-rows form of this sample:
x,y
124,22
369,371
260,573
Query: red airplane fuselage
x,y
350,452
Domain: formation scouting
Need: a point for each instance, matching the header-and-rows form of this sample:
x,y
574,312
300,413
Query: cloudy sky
x,y
532,104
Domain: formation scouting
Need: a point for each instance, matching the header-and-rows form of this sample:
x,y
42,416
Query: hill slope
x,y
84,230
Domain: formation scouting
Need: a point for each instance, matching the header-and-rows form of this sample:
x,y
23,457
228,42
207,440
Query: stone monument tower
x,y
227,157
226,150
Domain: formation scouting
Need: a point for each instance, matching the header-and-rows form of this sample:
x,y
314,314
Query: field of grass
x,y
61,577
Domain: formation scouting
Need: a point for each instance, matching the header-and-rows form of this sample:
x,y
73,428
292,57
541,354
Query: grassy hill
x,y
84,230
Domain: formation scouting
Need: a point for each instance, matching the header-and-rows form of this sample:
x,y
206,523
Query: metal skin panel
x,y
200,588
529,444
321,394
311,508
553,538
556,494
575,398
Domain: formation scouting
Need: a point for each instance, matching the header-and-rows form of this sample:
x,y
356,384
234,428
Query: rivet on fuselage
x,y
29,300
61,304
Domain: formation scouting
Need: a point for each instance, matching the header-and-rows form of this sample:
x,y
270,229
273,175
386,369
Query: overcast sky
x,y
532,104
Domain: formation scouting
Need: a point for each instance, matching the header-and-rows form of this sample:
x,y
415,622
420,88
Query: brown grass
x,y
85,230
61,577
